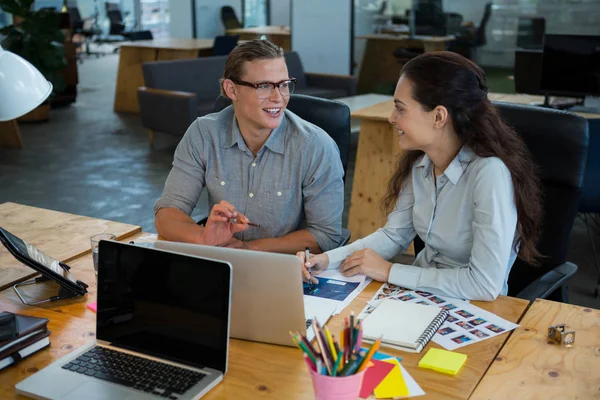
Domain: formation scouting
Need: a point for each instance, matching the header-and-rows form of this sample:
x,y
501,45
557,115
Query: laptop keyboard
x,y
139,373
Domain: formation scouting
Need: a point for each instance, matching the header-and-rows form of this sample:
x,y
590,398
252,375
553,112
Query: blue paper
x,y
380,356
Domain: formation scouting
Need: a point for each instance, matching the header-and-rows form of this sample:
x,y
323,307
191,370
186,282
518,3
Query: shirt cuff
x,y
336,256
324,240
406,276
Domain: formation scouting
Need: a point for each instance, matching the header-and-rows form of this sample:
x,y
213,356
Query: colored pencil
x,y
365,361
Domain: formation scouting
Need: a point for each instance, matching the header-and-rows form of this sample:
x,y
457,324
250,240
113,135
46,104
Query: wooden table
x,y
133,54
279,35
376,156
60,235
380,67
256,370
530,366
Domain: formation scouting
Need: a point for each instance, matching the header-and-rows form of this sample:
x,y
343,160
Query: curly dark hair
x,y
450,80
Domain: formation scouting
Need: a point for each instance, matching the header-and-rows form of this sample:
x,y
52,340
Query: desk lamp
x,y
22,86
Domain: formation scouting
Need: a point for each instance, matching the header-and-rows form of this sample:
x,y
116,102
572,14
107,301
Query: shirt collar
x,y
275,142
456,168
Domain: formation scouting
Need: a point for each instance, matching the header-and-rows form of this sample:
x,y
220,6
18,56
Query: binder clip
x,y
560,335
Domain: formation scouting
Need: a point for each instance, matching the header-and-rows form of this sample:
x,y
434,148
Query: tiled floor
x,y
89,160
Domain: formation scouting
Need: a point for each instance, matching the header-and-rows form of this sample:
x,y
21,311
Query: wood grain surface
x,y
60,235
530,366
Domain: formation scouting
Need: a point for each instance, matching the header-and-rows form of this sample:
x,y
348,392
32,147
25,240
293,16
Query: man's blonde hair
x,y
247,52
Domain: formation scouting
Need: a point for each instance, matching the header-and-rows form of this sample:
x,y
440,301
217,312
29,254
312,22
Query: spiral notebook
x,y
404,326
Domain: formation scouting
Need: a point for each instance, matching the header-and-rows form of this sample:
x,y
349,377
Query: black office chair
x,y
117,25
224,44
330,115
558,142
78,26
467,39
229,19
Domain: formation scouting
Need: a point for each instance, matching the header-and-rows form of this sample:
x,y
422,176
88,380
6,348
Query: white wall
x,y
280,12
208,17
321,35
180,24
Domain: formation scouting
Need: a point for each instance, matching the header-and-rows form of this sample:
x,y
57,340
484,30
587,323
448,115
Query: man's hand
x,y
368,263
219,230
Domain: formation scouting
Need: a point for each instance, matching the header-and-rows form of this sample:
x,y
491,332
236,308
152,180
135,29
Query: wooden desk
x,y
278,35
531,367
60,235
380,67
256,370
133,54
376,156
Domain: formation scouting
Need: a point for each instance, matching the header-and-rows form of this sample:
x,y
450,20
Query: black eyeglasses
x,y
264,90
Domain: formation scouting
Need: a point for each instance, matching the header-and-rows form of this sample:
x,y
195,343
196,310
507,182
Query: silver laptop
x,y
268,296
162,330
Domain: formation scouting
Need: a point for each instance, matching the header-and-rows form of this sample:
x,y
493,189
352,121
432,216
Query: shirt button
x,y
251,195
278,193
222,183
254,164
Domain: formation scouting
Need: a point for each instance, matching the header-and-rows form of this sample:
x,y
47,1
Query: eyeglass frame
x,y
273,84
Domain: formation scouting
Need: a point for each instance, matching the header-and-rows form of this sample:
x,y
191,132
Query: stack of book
x,y
21,336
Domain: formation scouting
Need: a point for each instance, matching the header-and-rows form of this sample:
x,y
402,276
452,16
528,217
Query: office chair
x,y
558,142
117,26
229,19
224,44
79,26
589,205
467,39
330,115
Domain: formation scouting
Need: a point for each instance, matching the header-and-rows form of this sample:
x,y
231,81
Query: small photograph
x,y
406,297
437,300
422,302
445,331
461,339
392,286
424,294
448,306
464,314
495,328
381,296
477,321
389,291
464,325
451,318
479,334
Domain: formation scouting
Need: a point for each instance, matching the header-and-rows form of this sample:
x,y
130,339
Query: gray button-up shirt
x,y
295,181
468,221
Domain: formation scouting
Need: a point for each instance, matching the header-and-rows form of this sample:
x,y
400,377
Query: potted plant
x,y
35,36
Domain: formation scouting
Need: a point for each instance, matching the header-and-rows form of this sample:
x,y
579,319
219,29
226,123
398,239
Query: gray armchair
x,y
319,85
177,92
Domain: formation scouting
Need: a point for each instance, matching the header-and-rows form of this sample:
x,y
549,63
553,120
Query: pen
x,y
235,221
306,257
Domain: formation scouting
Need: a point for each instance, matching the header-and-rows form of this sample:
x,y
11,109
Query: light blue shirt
x,y
468,222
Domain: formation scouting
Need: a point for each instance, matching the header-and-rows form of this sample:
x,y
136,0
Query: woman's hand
x,y
315,265
368,263
219,230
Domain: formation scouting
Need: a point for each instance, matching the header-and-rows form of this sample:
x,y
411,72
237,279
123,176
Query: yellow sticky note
x,y
393,384
444,361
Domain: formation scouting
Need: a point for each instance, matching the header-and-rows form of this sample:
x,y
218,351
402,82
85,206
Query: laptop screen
x,y
162,304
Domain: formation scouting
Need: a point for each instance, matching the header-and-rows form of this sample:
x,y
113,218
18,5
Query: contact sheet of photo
x,y
466,323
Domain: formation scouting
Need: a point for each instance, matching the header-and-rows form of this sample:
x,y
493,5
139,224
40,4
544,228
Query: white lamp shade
x,y
22,86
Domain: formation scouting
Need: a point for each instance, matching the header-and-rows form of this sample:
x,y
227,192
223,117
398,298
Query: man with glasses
x,y
274,181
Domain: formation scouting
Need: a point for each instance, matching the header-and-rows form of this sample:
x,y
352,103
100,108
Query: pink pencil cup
x,y
337,387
